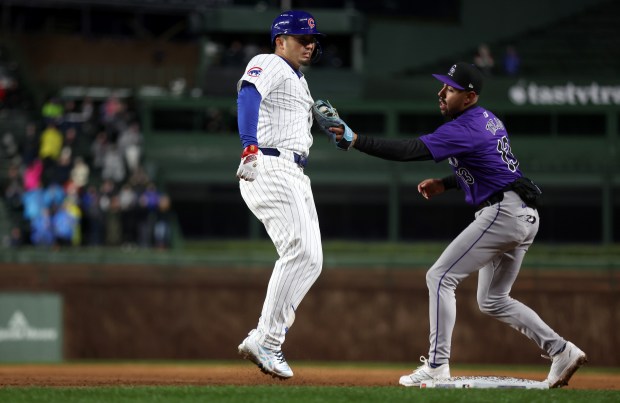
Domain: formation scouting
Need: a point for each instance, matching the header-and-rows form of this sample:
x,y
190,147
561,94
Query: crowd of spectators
x,y
238,53
510,65
76,178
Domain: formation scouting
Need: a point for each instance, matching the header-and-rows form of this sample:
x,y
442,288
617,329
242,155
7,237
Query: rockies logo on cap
x,y
462,76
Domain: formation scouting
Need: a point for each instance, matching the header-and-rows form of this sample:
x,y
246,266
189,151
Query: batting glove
x,y
250,162
347,138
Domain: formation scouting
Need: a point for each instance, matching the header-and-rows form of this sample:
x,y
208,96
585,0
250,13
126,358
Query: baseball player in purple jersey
x,y
476,145
275,118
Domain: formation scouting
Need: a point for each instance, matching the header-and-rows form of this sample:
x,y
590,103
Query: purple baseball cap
x,y
463,76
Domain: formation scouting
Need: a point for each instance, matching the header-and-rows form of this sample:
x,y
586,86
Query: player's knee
x,y
488,306
432,278
439,274
316,261
313,259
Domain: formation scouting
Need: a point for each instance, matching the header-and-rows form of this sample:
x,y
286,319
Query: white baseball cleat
x,y
425,373
564,365
271,362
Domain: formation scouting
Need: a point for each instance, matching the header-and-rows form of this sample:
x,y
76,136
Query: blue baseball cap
x,y
463,76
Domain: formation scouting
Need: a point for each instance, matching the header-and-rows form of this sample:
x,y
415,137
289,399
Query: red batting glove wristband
x,y
249,166
249,150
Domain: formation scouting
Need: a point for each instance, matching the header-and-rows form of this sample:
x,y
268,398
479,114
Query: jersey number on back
x,y
503,147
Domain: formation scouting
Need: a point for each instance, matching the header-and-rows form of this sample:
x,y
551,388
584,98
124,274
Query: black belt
x,y
495,198
274,152
525,188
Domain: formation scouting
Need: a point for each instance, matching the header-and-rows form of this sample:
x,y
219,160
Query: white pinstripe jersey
x,y
285,114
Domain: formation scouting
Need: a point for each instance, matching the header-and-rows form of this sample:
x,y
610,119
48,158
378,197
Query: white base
x,y
484,382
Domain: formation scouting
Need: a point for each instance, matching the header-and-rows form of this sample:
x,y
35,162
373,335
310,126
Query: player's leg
x,y
297,238
495,282
476,245
467,253
281,198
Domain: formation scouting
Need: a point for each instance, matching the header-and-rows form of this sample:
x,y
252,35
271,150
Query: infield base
x,y
485,382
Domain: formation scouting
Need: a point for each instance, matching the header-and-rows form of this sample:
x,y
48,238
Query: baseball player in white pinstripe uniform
x,y
275,118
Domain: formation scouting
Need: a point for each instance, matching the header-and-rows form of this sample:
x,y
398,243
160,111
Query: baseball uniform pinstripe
x,y
281,196
284,118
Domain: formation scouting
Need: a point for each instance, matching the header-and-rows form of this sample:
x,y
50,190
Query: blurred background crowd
x,y
75,177
118,118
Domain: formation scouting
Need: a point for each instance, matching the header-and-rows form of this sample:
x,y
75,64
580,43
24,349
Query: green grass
x,y
298,394
343,254
423,254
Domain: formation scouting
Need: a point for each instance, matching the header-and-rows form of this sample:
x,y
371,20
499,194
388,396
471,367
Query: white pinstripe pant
x,y
281,198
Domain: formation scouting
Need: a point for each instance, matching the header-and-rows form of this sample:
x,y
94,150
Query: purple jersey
x,y
477,147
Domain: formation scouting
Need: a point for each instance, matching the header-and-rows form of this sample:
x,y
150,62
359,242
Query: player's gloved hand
x,y
346,141
327,118
250,163
345,137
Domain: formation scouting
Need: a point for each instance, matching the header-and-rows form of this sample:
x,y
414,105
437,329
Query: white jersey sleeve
x,y
285,113
265,72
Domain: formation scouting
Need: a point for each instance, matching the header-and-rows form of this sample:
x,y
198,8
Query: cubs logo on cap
x,y
294,22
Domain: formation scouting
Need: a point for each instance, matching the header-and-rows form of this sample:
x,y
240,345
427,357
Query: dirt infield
x,y
89,375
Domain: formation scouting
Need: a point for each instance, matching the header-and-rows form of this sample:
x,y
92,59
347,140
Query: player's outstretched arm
x,y
327,118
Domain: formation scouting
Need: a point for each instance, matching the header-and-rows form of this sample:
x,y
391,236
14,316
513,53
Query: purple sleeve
x,y
449,140
248,103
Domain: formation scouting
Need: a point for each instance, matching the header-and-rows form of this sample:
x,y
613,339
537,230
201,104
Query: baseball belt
x,y
527,190
298,158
